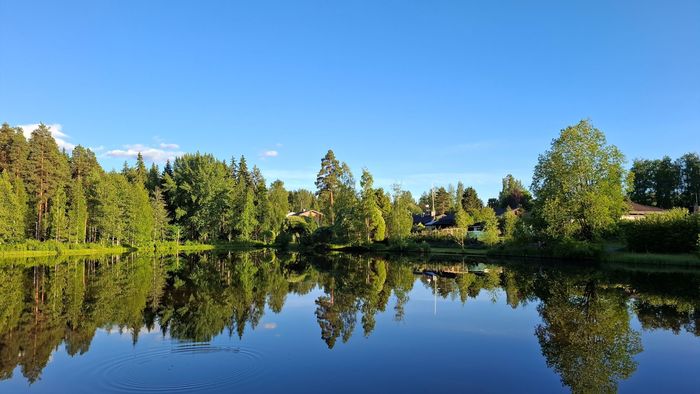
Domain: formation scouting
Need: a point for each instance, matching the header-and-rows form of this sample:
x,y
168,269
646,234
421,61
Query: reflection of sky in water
x,y
483,345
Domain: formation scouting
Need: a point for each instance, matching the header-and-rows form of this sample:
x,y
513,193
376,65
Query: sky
x,y
421,93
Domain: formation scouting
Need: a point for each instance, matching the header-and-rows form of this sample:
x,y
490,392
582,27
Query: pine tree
x,y
153,179
328,180
47,171
139,172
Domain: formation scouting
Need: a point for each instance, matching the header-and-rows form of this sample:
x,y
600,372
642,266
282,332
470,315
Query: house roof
x,y
642,209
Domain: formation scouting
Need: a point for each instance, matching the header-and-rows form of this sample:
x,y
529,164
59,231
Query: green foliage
x,y
375,226
513,194
328,181
77,213
279,205
200,188
674,231
471,201
509,221
161,219
400,220
488,216
666,183
579,185
11,213
46,174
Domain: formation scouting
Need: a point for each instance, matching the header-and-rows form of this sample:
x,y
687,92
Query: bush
x,y
577,250
675,231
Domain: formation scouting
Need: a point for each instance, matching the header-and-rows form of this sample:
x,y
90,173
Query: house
x,y
308,213
639,211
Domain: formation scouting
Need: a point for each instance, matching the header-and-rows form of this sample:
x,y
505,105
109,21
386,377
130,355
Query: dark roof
x,y
635,207
422,218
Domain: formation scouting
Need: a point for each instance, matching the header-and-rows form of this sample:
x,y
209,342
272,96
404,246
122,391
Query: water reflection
x,y
585,331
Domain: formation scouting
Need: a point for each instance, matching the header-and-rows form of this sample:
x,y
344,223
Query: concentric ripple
x,y
180,368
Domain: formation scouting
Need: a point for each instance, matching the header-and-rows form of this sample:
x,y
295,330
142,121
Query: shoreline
x,y
608,257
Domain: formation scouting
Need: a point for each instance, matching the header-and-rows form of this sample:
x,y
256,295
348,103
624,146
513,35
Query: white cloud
x,y
164,145
269,153
56,131
158,155
270,326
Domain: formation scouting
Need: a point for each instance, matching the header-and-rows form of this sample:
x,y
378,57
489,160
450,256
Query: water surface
x,y
261,322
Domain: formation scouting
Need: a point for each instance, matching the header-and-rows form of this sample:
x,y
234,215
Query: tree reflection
x,y
585,333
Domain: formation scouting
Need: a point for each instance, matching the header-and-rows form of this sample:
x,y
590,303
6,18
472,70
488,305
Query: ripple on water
x,y
180,368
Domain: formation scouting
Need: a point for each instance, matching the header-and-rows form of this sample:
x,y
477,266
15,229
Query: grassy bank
x,y
65,252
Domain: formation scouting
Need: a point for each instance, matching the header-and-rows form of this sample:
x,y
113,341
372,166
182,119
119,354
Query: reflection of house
x,y
639,211
310,213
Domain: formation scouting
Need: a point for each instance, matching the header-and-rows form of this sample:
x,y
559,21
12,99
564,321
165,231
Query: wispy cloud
x,y
56,130
158,155
269,153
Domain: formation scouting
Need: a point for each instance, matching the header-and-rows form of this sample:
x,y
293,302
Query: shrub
x,y
675,231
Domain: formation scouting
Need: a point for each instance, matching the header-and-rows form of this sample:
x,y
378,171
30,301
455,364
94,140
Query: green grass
x,y
64,252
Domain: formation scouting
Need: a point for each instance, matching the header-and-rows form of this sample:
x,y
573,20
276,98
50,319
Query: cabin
x,y
639,211
308,213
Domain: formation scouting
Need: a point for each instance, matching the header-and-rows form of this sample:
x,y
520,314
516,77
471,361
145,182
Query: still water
x,y
260,322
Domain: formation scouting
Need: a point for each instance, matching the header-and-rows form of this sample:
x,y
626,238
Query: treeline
x,y
667,183
49,194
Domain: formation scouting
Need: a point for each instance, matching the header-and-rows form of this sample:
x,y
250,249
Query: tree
x,y
579,185
375,226
471,201
13,150
161,220
513,194
667,180
58,218
400,219
690,179
139,174
244,222
47,171
198,192
279,205
509,220
153,180
11,218
488,216
77,212
328,181
262,205
643,186
138,213
302,200
462,218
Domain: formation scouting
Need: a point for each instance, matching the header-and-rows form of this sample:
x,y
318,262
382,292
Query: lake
x,y
265,322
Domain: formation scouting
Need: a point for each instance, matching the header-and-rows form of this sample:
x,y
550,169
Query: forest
x,y
579,191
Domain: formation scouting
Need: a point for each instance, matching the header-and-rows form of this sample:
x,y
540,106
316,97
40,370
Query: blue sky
x,y
418,92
